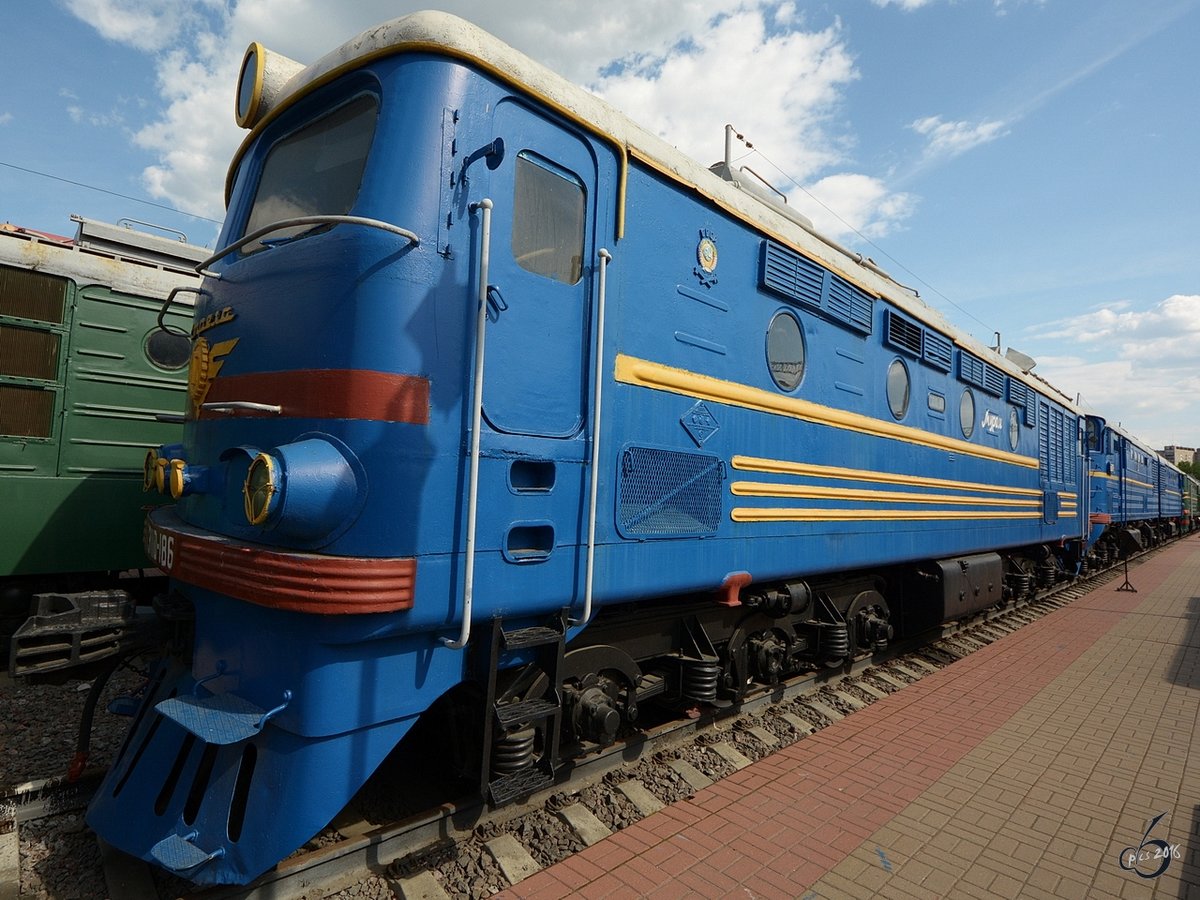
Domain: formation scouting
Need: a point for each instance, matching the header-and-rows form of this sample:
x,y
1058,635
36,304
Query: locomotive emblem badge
x,y
207,360
700,423
706,257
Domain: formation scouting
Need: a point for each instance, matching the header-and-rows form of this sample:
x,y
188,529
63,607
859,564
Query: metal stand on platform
x,y
1127,586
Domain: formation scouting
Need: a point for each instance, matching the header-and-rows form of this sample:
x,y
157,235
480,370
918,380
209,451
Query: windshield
x,y
314,171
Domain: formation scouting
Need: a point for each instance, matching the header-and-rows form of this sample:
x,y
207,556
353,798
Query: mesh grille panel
x,y
666,492
32,295
28,353
26,412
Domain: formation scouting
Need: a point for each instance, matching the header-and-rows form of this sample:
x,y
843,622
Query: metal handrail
x,y
297,222
485,241
597,398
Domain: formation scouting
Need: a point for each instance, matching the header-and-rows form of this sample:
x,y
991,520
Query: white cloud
x,y
841,204
1138,365
1136,332
5,118
950,139
681,67
907,5
686,93
151,25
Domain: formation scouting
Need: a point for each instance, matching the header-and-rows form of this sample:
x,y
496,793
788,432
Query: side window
x,y
548,220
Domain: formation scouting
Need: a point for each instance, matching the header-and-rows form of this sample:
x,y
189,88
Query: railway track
x,y
463,849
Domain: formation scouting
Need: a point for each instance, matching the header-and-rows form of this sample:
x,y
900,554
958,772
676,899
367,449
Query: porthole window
x,y
785,351
1014,429
898,388
966,413
168,349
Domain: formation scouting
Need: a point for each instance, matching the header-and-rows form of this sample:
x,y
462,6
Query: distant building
x,y
1179,455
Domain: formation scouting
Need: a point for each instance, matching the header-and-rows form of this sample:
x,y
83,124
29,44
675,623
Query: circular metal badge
x,y
706,254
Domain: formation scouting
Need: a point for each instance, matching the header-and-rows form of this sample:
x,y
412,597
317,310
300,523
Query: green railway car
x,y
87,384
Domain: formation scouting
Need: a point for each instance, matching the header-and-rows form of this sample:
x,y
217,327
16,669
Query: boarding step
x,y
519,784
524,712
535,636
216,719
178,854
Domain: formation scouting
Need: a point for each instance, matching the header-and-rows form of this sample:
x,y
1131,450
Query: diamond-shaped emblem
x,y
700,423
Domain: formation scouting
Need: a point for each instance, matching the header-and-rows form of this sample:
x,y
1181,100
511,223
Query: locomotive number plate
x,y
160,547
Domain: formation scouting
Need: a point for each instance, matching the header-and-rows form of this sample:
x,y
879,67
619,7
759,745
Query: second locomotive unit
x,y
508,419
86,381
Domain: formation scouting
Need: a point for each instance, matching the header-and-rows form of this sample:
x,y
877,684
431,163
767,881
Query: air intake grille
x,y
939,352
1018,393
903,334
666,493
28,353
26,412
849,304
32,295
791,275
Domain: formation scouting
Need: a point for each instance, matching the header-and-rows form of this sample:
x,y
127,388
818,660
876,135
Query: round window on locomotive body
x,y
168,349
966,413
785,351
898,388
1014,429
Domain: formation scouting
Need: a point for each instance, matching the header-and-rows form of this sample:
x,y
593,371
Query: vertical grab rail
x,y
485,241
597,397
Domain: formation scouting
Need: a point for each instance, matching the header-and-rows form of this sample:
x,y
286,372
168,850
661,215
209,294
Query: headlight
x,y
259,489
148,467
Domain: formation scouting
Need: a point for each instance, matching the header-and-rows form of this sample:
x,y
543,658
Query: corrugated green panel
x,y
72,524
113,391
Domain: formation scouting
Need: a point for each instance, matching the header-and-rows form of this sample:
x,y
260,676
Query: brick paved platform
x,y
1024,770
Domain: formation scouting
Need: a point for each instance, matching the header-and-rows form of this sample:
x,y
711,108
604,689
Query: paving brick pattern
x,y
1023,770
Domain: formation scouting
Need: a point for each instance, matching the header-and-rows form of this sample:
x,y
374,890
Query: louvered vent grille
x,y
1018,393
850,305
28,353
667,492
792,275
939,352
32,295
993,380
970,369
903,334
25,411
803,281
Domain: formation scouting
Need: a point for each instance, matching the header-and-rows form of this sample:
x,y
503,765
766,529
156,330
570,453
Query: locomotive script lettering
x,y
159,547
991,423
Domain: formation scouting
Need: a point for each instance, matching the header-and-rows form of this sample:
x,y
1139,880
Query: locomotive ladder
x,y
511,768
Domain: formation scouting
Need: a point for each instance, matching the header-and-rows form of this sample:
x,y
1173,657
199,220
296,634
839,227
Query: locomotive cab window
x,y
316,170
549,207
785,351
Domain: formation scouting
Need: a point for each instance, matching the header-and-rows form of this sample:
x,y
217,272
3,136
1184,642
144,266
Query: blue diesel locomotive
x,y
506,419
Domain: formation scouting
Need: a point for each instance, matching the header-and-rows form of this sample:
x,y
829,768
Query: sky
x,y
1029,166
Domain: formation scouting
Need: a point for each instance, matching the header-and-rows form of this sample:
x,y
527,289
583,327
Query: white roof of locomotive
x,y
439,32
125,260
